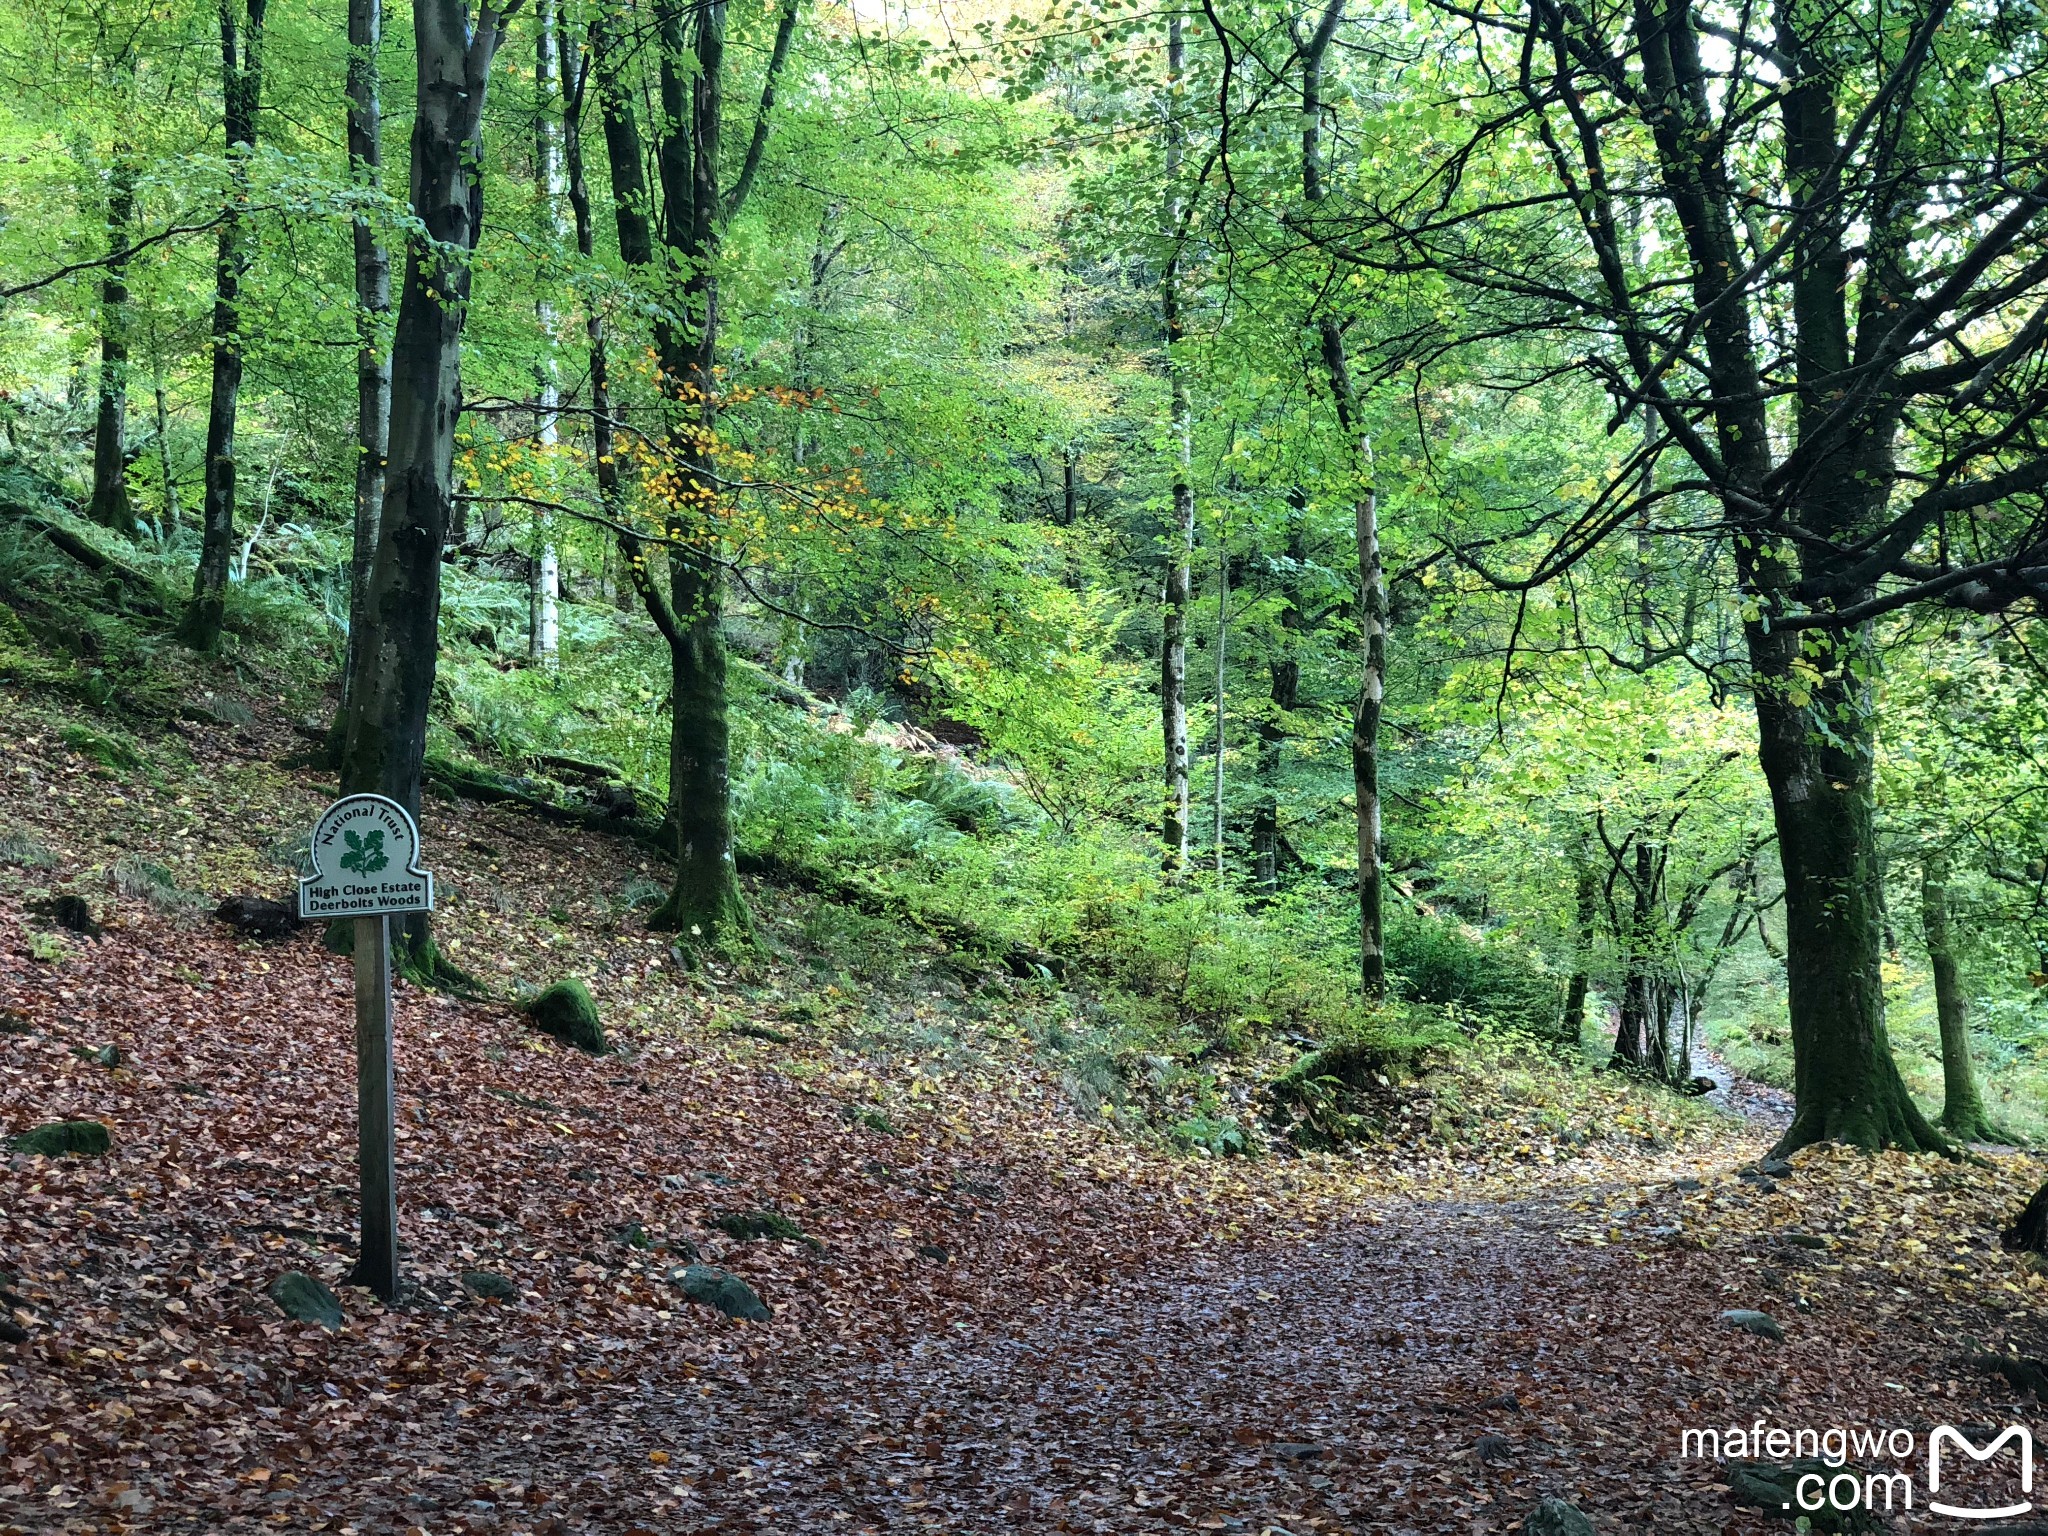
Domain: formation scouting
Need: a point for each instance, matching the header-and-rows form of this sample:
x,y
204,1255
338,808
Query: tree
x,y
1837,330
697,206
1180,535
241,62
1372,587
1962,1108
391,679
110,504
372,267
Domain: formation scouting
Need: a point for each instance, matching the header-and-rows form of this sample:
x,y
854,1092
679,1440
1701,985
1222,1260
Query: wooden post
x,y
377,1257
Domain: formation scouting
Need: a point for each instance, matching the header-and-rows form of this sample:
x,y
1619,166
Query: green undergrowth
x,y
1165,1005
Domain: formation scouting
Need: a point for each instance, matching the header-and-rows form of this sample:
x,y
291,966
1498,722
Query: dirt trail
x,y
1342,1384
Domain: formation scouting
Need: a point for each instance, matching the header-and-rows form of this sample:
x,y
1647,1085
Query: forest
x,y
1247,768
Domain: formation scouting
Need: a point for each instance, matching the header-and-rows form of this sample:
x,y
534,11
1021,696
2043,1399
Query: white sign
x,y
366,862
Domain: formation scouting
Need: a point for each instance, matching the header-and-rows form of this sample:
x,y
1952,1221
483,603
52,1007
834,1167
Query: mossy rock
x,y
727,1292
486,1285
749,1225
1762,1324
1554,1517
567,1011
1774,1488
66,1138
300,1297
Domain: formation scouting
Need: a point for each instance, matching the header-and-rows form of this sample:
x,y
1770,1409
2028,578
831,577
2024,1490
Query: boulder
x,y
716,1288
1554,1517
487,1286
68,912
1762,1324
567,1011
1774,1487
257,917
65,1138
748,1225
300,1297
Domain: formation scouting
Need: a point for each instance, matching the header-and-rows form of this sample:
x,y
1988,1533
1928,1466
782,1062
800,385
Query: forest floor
x,y
1001,1316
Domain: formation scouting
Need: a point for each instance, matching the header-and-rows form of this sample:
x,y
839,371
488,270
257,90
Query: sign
x,y
366,862
366,865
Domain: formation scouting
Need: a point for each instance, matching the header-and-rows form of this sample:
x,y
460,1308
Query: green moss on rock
x,y
567,1011
727,1292
65,1138
301,1297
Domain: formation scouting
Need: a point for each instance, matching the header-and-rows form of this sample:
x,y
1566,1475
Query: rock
x,y
486,1286
632,1235
727,1292
1297,1450
1687,1184
1494,1449
1554,1517
2022,1374
1698,1087
65,1138
257,917
68,912
1809,1240
567,1011
1775,1487
748,1225
300,1297
1776,1167
1762,1324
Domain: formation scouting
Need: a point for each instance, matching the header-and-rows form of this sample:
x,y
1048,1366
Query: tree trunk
x,y
1365,746
1633,1037
1365,721
1818,764
1284,695
392,677
373,303
173,516
241,63
1962,1109
1222,640
111,506
1585,920
1180,535
543,636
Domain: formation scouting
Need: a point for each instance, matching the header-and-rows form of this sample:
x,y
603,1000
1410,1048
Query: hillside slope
x,y
990,1311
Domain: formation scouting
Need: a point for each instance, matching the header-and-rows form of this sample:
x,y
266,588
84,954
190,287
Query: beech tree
x,y
392,665
241,64
697,202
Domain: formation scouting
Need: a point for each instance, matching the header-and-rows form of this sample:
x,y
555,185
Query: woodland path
x,y
1339,1384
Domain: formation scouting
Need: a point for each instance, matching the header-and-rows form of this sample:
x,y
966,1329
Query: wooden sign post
x,y
366,865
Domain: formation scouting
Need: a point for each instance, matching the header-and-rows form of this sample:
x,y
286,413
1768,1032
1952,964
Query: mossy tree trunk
x,y
1962,1109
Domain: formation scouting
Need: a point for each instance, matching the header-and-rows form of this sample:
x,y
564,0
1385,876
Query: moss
x,y
747,1225
66,1138
567,1011
109,749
